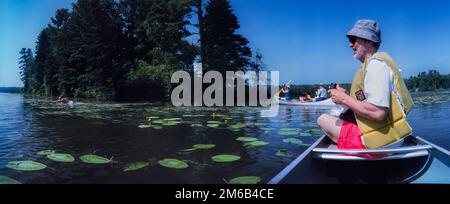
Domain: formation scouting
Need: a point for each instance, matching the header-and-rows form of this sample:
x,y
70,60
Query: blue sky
x,y
303,39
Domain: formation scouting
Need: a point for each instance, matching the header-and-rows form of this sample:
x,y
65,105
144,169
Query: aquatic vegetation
x,y
283,153
172,119
95,159
61,157
244,180
247,139
135,166
236,127
45,152
225,158
315,131
293,141
213,125
214,122
204,146
305,134
144,126
200,147
26,165
7,180
256,143
310,124
289,131
173,164
196,125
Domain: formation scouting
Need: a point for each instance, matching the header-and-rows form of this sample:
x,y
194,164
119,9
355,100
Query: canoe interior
x,y
307,169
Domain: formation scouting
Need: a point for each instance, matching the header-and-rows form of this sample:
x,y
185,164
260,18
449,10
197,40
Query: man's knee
x,y
323,119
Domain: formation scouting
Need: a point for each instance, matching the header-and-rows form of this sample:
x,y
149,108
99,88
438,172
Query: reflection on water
x,y
138,133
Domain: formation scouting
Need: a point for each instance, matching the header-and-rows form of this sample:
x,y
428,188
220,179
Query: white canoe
x,y
327,102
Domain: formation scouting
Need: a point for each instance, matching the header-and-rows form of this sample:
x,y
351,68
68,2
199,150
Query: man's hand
x,y
339,95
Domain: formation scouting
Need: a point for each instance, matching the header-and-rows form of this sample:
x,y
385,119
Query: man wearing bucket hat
x,y
378,101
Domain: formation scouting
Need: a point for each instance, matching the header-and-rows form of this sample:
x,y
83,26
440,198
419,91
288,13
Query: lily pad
x,y
152,118
26,165
305,134
188,150
225,158
247,139
204,146
245,180
289,131
172,119
159,122
144,126
213,125
46,152
94,159
196,125
173,164
214,122
282,153
237,126
135,166
7,180
293,141
61,157
256,143
316,131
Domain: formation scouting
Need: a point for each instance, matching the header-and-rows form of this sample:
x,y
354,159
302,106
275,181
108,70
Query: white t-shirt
x,y
378,83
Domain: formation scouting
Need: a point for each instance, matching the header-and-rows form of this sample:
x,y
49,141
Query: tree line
x,y
128,49
431,81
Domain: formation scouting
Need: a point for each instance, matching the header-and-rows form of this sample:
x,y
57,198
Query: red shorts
x,y
350,139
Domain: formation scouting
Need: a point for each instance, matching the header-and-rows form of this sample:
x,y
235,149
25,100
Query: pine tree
x,y
26,61
225,50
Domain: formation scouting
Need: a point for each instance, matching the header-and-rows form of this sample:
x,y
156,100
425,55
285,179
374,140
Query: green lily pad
x,y
152,118
26,165
144,126
196,125
305,134
237,126
94,159
225,158
135,166
172,119
245,180
173,164
188,150
204,146
46,152
213,125
247,139
289,131
214,122
7,180
159,122
282,153
316,131
61,157
157,127
256,143
293,141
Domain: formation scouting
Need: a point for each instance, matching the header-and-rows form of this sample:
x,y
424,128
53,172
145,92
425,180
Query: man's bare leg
x,y
331,125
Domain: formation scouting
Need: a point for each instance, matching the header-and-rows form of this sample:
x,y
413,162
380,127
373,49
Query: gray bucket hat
x,y
366,29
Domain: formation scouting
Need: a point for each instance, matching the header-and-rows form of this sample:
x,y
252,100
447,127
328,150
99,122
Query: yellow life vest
x,y
394,127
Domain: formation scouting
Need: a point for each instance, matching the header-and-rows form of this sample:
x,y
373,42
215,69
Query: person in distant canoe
x,y
285,92
63,99
378,101
321,95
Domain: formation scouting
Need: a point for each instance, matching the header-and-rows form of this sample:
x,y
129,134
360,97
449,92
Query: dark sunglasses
x,y
352,40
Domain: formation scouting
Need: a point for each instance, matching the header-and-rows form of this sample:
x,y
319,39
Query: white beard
x,y
360,53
